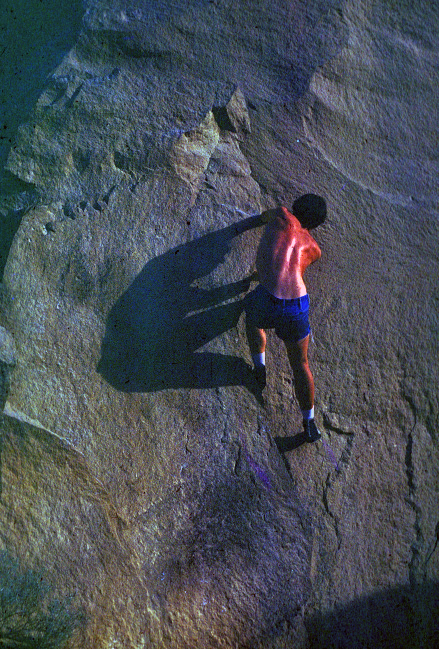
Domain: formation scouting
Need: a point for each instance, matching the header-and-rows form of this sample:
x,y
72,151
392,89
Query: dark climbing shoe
x,y
260,374
311,431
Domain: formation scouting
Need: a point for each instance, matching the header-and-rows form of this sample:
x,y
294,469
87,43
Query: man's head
x,y
310,210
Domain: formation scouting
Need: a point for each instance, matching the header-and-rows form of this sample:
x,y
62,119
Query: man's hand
x,y
251,277
274,213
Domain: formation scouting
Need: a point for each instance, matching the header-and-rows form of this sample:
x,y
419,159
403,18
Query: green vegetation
x,y
30,617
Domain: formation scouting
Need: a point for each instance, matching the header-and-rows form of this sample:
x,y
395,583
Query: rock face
x,y
139,470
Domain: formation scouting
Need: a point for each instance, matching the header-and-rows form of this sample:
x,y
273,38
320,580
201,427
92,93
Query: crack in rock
x,y
329,511
416,566
433,550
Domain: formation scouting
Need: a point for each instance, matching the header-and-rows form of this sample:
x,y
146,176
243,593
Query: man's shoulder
x,y
311,246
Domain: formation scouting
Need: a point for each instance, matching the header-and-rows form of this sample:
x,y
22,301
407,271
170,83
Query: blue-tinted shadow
x,y
156,329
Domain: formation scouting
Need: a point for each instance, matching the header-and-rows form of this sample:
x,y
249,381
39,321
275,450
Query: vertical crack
x,y
433,550
416,567
341,466
409,464
346,453
328,510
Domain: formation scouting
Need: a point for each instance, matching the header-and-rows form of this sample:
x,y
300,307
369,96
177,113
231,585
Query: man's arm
x,y
269,215
253,221
256,220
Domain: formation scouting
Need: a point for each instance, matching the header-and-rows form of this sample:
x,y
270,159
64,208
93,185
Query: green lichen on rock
x,y
30,616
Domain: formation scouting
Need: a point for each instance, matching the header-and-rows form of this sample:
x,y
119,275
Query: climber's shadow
x,y
286,444
155,329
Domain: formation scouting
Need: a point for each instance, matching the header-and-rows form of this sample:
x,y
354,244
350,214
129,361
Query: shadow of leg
x,y
285,444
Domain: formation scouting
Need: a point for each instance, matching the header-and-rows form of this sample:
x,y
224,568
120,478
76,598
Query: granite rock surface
x,y
141,470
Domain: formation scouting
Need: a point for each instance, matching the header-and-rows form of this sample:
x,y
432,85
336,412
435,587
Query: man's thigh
x,y
293,328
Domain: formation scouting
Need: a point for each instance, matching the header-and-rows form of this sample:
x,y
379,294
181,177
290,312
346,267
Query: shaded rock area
x,y
141,472
34,38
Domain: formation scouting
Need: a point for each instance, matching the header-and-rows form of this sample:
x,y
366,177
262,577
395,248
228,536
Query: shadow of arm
x,y
202,298
254,221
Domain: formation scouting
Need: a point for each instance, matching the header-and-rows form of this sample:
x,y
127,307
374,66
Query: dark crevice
x,y
417,567
409,464
328,510
434,548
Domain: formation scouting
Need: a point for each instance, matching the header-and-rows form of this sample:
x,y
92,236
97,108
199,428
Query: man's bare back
x,y
285,251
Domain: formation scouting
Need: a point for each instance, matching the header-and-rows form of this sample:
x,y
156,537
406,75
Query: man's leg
x,y
303,383
303,378
257,340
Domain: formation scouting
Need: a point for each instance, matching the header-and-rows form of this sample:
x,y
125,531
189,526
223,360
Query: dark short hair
x,y
310,210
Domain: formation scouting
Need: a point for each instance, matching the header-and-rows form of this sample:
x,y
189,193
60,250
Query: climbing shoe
x,y
260,374
311,431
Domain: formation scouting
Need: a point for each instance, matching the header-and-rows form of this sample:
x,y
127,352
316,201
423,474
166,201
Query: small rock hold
x,y
69,212
340,424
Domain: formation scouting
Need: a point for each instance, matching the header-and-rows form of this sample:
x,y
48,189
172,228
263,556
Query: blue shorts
x,y
289,318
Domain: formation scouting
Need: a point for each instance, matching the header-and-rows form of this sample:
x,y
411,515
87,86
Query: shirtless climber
x,y
280,301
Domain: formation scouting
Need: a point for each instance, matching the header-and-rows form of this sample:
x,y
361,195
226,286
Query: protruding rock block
x,y
234,116
192,150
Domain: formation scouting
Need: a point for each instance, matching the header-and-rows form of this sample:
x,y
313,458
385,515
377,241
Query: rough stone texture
x,y
138,468
7,364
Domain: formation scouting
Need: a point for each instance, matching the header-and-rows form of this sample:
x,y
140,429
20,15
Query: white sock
x,y
259,359
308,414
